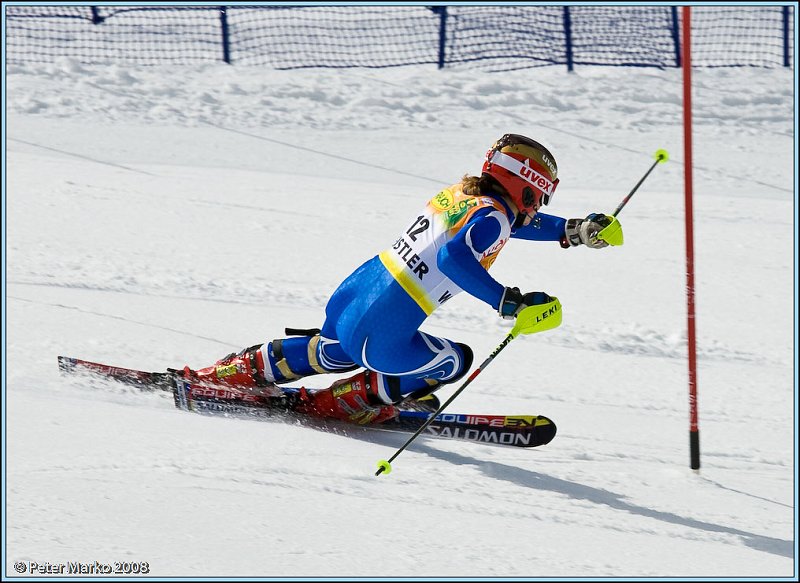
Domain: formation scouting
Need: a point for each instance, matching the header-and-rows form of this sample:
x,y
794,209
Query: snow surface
x,y
158,217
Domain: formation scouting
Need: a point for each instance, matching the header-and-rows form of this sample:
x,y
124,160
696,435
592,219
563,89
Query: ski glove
x,y
513,302
584,231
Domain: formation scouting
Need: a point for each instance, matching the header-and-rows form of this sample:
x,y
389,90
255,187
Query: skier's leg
x,y
370,396
385,338
416,367
355,398
380,332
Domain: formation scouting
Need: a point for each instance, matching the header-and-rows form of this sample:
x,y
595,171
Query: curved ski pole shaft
x,y
385,465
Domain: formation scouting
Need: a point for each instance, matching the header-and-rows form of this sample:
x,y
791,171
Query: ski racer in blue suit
x,y
373,318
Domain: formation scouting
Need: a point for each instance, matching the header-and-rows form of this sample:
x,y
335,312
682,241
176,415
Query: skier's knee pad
x,y
433,385
394,389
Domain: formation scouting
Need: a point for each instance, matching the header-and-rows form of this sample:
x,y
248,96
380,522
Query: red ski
x,y
273,401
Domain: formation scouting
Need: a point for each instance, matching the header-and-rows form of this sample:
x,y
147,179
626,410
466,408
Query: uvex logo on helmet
x,y
536,179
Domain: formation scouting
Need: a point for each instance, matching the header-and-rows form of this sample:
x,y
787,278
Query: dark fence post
x,y
568,37
442,12
676,36
226,47
785,36
96,18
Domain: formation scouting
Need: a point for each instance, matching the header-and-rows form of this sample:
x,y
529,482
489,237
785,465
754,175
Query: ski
x,y
273,401
510,430
138,378
513,430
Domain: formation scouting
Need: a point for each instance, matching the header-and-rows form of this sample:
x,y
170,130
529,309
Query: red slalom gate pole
x,y
694,430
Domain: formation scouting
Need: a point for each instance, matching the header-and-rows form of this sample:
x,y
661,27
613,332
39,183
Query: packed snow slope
x,y
161,217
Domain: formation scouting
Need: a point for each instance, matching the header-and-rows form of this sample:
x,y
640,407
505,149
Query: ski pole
x,y
612,233
531,320
661,156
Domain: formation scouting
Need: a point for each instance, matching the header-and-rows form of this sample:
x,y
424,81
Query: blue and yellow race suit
x,y
373,317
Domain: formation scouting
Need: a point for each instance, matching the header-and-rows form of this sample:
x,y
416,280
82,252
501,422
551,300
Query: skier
x,y
373,318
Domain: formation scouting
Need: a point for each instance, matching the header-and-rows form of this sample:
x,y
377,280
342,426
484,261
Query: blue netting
x,y
740,36
485,37
639,36
505,38
140,35
370,36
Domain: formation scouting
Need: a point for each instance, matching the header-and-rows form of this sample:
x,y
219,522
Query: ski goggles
x,y
539,181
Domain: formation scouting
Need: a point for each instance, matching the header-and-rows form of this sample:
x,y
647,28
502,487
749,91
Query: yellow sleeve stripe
x,y
407,281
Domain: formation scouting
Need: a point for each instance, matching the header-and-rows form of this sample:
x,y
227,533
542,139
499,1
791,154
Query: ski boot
x,y
242,371
353,400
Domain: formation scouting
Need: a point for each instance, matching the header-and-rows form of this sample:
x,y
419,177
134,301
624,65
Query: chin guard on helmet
x,y
525,168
